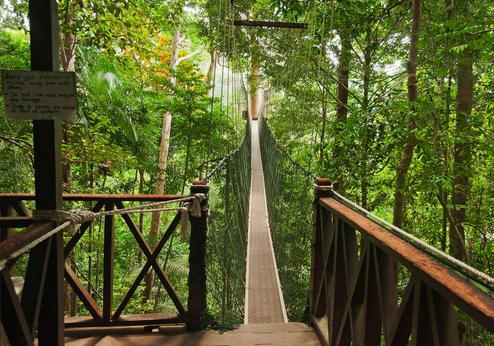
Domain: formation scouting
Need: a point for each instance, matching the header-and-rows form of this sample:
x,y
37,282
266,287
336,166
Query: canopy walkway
x,y
365,282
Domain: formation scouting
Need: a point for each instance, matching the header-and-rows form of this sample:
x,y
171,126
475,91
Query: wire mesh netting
x,y
227,236
289,196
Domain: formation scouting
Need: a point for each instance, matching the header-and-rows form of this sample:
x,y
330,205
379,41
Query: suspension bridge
x,y
366,283
272,250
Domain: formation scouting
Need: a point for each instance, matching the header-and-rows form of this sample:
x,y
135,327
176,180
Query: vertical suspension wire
x,y
223,60
213,87
322,56
312,14
235,67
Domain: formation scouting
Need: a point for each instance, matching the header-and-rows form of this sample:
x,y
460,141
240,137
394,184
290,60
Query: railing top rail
x,y
460,292
95,197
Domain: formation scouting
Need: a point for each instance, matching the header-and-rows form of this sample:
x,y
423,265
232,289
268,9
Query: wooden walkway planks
x,y
263,297
262,334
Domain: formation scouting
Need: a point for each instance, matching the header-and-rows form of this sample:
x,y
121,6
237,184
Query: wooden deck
x,y
247,334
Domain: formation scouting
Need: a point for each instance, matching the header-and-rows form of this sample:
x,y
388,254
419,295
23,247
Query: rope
x,y
78,216
68,219
4,261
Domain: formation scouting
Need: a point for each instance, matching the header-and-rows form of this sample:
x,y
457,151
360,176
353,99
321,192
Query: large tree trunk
x,y
462,156
163,157
410,141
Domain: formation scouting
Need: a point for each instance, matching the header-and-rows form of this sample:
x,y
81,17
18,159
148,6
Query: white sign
x,y
39,95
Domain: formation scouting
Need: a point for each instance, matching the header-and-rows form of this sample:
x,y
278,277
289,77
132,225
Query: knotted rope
x,y
79,216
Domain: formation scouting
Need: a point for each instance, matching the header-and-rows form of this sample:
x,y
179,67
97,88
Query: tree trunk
x,y
342,105
462,156
323,133
364,179
210,76
67,54
254,90
410,141
163,158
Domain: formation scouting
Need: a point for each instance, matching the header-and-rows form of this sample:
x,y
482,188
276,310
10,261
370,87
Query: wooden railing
x,y
358,297
15,214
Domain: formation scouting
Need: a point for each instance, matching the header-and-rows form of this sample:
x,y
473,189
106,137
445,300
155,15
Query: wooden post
x,y
43,19
108,265
323,189
5,210
197,305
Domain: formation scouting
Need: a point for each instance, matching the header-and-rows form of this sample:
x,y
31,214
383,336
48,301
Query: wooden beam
x,y
44,43
6,197
270,24
108,263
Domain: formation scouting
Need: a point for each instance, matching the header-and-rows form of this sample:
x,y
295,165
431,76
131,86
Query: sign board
x,y
39,95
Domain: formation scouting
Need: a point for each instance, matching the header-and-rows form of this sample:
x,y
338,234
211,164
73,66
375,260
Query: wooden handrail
x,y
105,315
356,295
463,294
4,197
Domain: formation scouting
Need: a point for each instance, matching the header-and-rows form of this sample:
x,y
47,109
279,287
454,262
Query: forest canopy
x,y
392,99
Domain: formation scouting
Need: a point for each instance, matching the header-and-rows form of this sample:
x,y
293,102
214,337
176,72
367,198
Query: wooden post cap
x,y
324,181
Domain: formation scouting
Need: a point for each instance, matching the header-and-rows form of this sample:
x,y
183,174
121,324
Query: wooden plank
x,y
460,292
21,208
94,197
124,321
22,239
15,222
82,293
15,324
270,24
34,284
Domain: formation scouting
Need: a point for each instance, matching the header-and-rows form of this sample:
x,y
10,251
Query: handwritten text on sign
x,y
39,95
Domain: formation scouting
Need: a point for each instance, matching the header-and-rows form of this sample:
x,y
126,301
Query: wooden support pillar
x,y
323,189
43,19
108,265
197,305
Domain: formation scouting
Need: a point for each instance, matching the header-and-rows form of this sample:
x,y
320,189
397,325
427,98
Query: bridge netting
x,y
289,195
229,194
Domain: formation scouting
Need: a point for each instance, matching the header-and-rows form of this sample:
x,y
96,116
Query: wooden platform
x,y
247,334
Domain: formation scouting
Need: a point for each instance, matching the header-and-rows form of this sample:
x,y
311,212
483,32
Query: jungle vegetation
x,y
392,99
